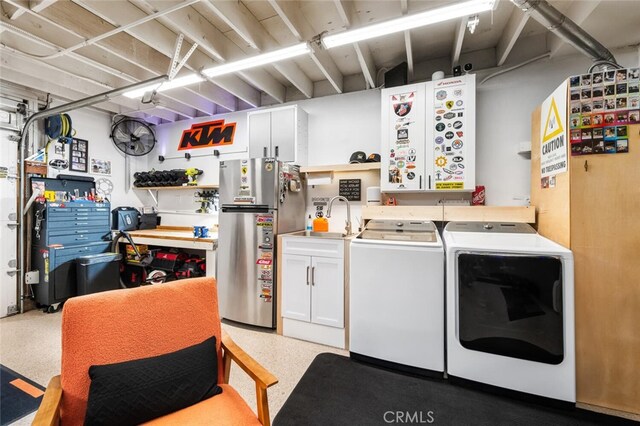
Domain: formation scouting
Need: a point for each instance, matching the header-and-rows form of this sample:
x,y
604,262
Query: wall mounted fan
x,y
133,137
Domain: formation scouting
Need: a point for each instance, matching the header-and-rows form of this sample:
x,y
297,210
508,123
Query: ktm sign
x,y
207,135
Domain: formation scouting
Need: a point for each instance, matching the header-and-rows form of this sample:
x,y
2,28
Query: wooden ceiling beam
x,y
458,38
252,31
199,30
71,85
162,39
87,68
289,12
404,7
363,53
39,5
510,35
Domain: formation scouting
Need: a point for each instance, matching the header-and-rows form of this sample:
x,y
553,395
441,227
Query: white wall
x,y
95,127
342,124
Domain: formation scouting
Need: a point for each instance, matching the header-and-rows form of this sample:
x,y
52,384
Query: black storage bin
x,y
98,272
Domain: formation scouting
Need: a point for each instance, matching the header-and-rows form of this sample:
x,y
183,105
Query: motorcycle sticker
x,y
411,176
441,161
439,139
459,134
448,135
440,127
441,95
449,115
449,104
457,93
458,103
457,125
438,117
403,134
457,159
457,144
402,103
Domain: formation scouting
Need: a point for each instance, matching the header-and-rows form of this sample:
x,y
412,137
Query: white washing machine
x,y
510,309
396,296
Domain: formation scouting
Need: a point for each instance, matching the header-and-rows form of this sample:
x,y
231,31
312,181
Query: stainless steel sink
x,y
328,234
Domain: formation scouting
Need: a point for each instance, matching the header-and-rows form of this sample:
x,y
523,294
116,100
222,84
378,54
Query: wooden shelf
x,y
450,213
177,187
359,167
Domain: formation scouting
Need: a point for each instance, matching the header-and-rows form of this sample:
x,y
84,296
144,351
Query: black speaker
x,y
396,76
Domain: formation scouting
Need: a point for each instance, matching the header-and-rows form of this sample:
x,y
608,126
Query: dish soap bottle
x,y
307,231
320,224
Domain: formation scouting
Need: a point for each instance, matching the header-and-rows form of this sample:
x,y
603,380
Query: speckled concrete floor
x,y
30,345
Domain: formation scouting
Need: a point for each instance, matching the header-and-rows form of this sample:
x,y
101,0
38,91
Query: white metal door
x,y
403,139
8,222
283,134
296,287
259,135
327,292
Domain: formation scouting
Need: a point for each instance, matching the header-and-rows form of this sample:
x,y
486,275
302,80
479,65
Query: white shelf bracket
x,y
155,198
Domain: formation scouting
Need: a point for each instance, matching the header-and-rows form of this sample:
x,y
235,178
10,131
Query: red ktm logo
x,y
206,135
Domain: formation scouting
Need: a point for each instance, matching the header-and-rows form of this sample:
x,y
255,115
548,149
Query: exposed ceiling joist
x,y
300,28
97,72
240,20
510,35
190,22
363,53
162,39
252,31
71,83
136,61
578,12
39,5
457,41
404,7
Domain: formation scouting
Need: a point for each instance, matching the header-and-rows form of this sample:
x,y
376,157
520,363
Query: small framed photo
x,y
621,88
597,120
609,90
586,107
610,76
634,116
622,145
610,104
586,80
597,92
634,74
597,78
574,81
621,75
575,94
621,103
621,131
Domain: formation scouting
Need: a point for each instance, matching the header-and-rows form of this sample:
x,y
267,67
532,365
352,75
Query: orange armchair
x,y
124,325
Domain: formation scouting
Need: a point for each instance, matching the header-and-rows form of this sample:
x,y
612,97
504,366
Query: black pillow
x,y
133,392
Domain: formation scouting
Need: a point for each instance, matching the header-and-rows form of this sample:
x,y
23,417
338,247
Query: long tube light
x,y
408,22
258,60
228,68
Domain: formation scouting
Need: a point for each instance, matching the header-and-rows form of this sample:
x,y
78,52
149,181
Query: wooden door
x,y
605,240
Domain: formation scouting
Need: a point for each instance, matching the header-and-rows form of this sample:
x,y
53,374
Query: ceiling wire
x,y
521,64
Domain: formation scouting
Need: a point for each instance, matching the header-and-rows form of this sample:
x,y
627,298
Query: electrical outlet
x,y
12,309
32,277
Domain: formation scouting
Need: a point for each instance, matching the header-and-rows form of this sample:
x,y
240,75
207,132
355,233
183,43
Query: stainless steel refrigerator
x,y
259,199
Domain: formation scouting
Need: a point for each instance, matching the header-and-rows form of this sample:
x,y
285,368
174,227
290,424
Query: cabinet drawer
x,y
84,250
311,246
76,239
89,222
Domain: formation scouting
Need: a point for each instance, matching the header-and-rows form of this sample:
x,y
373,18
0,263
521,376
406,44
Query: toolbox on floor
x,y
98,272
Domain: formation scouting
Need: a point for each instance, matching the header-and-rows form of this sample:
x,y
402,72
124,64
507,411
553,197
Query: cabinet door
x,y
327,293
296,287
260,135
403,139
450,118
283,134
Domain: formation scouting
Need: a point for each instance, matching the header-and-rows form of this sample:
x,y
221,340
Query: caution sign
x,y
553,133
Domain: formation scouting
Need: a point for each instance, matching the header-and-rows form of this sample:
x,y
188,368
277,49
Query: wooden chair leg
x,y
226,359
263,406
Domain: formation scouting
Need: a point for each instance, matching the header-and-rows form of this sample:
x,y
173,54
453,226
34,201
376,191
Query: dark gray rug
x,y
336,390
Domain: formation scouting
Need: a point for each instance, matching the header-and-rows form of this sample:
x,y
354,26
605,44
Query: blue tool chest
x,y
62,232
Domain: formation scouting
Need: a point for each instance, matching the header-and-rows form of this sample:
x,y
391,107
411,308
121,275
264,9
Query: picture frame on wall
x,y
79,155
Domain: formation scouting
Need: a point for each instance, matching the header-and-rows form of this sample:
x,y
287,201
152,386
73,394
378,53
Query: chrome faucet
x,y
348,221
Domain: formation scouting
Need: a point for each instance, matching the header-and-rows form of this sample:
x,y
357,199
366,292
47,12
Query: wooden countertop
x,y
174,233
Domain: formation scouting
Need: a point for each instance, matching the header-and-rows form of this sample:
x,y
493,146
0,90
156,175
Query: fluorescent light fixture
x,y
228,68
408,22
256,61
167,85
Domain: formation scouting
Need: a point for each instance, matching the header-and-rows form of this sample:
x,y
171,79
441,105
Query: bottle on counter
x,y
307,231
320,224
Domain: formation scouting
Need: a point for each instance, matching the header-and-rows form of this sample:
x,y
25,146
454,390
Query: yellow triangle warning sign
x,y
553,124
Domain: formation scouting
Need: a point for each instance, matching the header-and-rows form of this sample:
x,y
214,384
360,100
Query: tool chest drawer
x,y
71,223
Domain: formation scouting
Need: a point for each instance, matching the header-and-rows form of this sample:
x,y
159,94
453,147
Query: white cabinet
x,y
428,136
313,289
280,133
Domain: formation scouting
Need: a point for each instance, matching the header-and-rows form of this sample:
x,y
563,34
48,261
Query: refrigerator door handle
x,y
277,150
249,208
264,151
313,275
307,275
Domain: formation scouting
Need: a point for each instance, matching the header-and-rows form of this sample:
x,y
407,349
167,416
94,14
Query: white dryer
x,y
396,296
510,309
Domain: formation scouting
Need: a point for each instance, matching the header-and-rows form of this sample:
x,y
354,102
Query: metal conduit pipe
x,y
566,29
91,100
